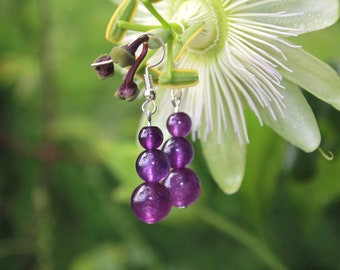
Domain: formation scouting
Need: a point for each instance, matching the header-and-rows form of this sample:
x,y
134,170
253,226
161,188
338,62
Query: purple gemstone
x,y
184,187
152,165
150,137
151,202
179,151
179,124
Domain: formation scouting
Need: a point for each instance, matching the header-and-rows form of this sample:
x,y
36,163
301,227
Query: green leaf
x,y
119,158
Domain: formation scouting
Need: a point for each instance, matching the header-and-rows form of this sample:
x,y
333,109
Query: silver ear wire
x,y
163,53
149,92
147,77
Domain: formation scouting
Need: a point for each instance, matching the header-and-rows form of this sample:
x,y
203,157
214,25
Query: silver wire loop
x,y
162,56
149,108
176,98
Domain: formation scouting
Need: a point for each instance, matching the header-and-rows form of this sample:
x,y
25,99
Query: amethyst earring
x,y
151,201
167,179
182,182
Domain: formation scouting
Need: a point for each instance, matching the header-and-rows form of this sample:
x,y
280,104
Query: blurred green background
x,y
68,147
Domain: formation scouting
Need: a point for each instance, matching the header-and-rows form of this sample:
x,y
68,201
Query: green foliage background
x,y
68,147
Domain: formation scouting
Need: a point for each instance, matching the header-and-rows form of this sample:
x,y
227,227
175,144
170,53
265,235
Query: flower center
x,y
190,12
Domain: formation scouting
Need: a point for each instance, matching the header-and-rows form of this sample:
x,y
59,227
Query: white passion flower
x,y
244,59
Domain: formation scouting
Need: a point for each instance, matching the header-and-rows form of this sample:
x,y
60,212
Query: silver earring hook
x,y
161,42
149,92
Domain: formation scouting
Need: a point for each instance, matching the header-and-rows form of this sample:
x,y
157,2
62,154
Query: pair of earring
x,y
167,179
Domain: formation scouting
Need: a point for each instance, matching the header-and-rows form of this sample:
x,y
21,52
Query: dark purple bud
x,y
127,91
103,70
134,45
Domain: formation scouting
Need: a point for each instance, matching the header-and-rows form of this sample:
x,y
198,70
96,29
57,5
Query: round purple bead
x,y
152,165
150,137
179,151
184,187
151,202
179,124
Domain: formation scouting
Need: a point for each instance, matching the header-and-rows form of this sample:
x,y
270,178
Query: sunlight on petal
x,y
298,125
311,15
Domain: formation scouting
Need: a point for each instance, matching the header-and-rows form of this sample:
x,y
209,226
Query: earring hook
x,y
161,42
149,107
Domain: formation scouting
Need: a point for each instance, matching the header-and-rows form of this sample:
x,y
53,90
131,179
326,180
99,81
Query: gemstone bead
x,y
179,151
179,124
184,187
152,165
151,202
150,137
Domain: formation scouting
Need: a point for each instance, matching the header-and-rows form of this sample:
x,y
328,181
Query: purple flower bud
x,y
105,70
127,91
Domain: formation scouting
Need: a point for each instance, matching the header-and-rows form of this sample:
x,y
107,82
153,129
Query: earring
x,y
168,180
151,201
182,182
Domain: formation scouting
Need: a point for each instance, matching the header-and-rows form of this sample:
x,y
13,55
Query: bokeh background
x,y
67,153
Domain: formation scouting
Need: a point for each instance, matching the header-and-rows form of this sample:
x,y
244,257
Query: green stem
x,y
166,25
169,64
158,16
254,244
137,27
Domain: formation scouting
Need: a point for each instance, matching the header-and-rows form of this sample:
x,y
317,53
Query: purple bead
x,y
179,151
151,202
179,124
150,137
152,165
184,187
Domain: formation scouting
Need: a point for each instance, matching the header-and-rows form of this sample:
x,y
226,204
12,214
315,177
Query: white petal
x,y
226,160
306,15
313,75
298,125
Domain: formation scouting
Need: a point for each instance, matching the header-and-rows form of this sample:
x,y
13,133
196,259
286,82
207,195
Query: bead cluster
x,y
168,182
182,182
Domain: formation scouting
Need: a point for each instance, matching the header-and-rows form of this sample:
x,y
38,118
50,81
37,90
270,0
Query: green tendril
x,y
328,156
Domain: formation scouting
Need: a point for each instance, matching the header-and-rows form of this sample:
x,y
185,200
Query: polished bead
x,y
184,187
150,137
151,202
152,165
179,124
179,151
